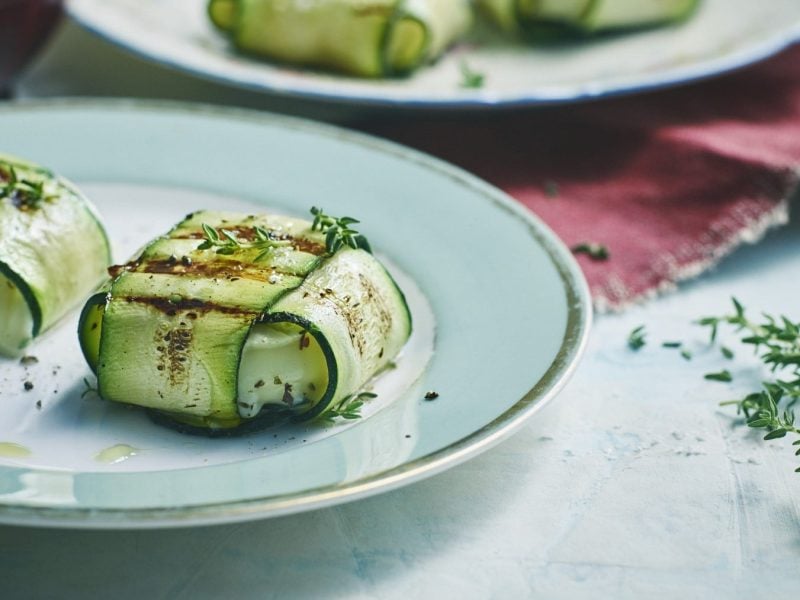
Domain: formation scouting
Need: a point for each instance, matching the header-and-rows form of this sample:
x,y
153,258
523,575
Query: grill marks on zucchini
x,y
176,321
232,270
173,352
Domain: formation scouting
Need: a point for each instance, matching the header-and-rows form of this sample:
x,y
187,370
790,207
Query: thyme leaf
x,y
338,231
471,79
723,376
685,353
592,250
636,338
349,407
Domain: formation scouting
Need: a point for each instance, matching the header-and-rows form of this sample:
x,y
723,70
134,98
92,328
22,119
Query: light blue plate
x,y
722,35
496,295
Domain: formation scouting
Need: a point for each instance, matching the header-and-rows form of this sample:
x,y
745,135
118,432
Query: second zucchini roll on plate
x,y
53,251
231,322
584,15
366,38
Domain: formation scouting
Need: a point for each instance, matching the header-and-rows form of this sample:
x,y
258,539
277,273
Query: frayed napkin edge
x,y
750,232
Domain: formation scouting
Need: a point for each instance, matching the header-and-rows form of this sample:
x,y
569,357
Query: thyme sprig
x,y
776,340
25,193
349,407
225,242
338,231
637,338
470,78
761,410
593,250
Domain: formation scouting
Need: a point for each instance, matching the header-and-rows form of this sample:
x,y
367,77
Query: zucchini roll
x,y
53,251
366,38
234,322
584,15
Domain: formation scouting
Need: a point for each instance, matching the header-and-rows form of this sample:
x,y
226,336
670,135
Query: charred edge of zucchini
x,y
27,294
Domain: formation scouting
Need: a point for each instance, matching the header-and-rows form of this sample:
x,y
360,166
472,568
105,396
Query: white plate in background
x,y
721,36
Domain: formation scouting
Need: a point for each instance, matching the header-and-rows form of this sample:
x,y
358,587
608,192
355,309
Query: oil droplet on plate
x,y
116,454
12,450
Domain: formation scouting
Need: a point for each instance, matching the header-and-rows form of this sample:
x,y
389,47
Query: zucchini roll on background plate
x,y
366,38
585,15
53,251
235,321
721,35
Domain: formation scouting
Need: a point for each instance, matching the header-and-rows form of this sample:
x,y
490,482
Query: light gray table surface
x,y
634,483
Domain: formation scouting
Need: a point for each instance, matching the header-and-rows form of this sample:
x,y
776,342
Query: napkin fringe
x,y
615,296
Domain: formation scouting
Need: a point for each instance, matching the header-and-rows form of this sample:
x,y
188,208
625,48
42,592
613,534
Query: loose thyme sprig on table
x,y
338,231
636,338
776,340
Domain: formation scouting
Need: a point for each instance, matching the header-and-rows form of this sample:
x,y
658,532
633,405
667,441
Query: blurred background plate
x,y
510,306
723,35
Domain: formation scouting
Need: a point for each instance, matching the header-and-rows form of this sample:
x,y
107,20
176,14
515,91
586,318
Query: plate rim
x,y
476,100
565,361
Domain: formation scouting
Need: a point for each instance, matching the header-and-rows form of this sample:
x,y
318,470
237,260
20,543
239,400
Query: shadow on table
x,y
343,551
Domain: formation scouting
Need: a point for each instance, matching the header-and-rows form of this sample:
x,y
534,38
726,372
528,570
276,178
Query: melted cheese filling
x,y
282,366
16,322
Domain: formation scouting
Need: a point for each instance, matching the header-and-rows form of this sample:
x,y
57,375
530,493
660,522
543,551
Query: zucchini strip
x,y
53,250
358,317
583,16
239,333
365,38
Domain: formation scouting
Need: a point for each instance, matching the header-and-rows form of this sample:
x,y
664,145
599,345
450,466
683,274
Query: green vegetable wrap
x,y
366,38
53,251
233,321
584,15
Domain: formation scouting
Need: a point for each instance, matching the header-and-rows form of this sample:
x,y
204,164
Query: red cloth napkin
x,y
670,182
